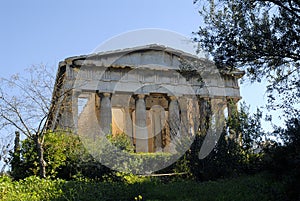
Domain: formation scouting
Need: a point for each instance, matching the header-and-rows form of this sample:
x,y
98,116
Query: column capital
x,y
172,98
76,92
206,98
141,96
103,94
236,99
106,94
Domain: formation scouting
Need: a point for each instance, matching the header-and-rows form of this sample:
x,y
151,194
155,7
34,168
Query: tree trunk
x,y
40,151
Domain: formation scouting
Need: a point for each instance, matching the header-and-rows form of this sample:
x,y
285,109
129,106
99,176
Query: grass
x,y
245,188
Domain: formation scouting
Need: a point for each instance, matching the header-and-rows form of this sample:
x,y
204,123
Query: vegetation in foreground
x,y
258,187
254,171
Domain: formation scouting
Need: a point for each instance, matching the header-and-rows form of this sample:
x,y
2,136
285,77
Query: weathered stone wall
x,y
150,93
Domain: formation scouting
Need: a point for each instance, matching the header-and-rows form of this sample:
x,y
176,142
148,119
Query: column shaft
x,y
214,128
205,115
233,117
67,116
105,114
75,110
174,118
141,124
157,117
127,120
174,125
184,126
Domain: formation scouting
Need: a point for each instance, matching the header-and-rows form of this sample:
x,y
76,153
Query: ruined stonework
x,y
154,94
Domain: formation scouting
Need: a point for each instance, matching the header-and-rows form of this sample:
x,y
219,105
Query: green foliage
x,y
117,153
260,36
31,188
284,161
130,178
68,158
122,141
248,125
65,157
258,187
223,161
285,158
235,152
136,163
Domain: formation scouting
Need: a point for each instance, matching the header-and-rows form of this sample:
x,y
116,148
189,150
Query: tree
x,y
65,155
4,154
261,37
228,158
25,106
284,160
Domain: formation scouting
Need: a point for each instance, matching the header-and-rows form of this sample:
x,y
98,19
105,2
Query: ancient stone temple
x,y
154,94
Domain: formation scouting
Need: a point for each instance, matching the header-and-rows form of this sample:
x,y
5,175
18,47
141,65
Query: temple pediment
x,y
150,56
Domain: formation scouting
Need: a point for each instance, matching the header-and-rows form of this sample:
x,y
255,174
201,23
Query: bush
x,y
31,188
65,158
121,141
284,161
258,187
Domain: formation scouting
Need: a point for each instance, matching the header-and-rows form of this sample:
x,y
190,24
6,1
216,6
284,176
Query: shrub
x,y
258,187
122,141
65,157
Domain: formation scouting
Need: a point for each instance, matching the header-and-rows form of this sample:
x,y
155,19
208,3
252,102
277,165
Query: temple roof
x,y
136,57
125,51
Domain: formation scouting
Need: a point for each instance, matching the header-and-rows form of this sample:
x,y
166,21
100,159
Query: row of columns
x,y
178,120
141,130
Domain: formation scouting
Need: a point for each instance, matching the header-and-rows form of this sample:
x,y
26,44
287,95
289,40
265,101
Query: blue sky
x,y
35,32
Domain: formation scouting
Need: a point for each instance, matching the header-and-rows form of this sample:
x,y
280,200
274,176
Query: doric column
x,y
141,124
215,126
174,125
105,113
67,116
232,107
233,117
218,118
193,115
205,115
75,109
174,118
127,121
184,126
157,117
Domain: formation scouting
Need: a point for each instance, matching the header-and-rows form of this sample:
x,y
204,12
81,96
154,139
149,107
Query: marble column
x,y
127,122
205,115
67,116
233,116
184,124
215,126
105,114
174,118
141,132
218,118
157,117
192,113
232,107
75,109
174,125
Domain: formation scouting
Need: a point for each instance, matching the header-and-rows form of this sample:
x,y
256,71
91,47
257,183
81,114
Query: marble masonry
x,y
151,93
